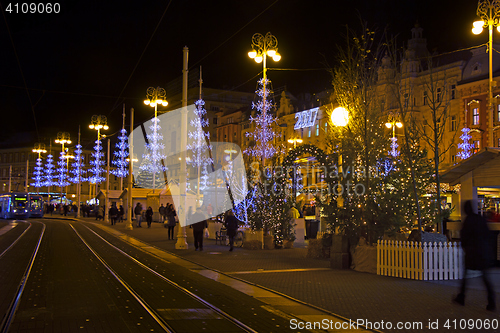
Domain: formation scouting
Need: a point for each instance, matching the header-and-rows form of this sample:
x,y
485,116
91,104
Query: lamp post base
x,y
128,225
181,240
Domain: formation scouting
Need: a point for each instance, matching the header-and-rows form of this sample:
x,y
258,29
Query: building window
x,y
406,100
453,94
498,143
476,146
214,108
453,152
215,121
475,116
230,120
309,132
453,123
438,95
317,129
498,113
326,127
425,97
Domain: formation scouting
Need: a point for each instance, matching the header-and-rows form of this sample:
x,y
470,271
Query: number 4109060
x,y
33,8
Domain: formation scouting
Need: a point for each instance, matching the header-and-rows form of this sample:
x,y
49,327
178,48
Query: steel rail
x,y
14,243
189,293
4,327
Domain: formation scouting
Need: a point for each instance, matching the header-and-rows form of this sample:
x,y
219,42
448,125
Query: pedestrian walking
x,y
121,213
149,216
113,214
161,210
476,239
171,221
138,214
100,213
231,225
198,228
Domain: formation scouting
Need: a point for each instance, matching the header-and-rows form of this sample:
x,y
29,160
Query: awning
x,y
452,175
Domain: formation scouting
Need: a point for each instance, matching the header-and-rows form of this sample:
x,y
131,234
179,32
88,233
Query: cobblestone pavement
x,y
347,293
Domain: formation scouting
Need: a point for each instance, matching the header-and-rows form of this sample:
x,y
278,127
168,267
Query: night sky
x,y
86,59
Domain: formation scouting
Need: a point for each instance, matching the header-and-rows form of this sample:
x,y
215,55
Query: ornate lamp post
x,y
39,149
262,47
340,117
155,96
98,123
62,138
295,141
489,12
394,146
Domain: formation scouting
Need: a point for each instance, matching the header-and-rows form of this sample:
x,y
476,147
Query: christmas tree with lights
x,y
121,154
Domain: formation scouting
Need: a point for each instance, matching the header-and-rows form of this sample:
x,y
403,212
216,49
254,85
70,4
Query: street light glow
x,y
340,116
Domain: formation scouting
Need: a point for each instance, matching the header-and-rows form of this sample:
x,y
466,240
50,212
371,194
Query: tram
x,y
35,205
14,206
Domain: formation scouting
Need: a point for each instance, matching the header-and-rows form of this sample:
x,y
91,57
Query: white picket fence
x,y
420,261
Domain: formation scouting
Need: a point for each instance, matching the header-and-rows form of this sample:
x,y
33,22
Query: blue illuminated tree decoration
x,y
97,162
153,156
49,171
263,134
78,166
394,147
38,173
198,146
465,146
62,169
121,155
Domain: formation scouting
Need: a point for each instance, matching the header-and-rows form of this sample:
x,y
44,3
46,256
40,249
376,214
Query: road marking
x,y
8,228
280,270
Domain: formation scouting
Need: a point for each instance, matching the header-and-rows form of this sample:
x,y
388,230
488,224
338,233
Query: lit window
x,y
453,123
317,129
477,146
309,132
498,112
326,127
475,116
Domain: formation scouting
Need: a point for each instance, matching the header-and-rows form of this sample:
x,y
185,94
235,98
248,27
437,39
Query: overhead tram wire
x,y
117,103
21,70
224,42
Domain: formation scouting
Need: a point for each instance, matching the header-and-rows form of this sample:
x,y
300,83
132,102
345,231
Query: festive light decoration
x,y
49,171
38,174
121,155
465,146
38,170
62,171
97,164
263,134
78,166
153,155
394,147
198,146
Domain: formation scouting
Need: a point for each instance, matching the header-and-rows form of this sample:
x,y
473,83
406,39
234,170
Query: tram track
x,y
15,241
166,319
11,310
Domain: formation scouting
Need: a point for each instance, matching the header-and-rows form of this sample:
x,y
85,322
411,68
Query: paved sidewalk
x,y
350,294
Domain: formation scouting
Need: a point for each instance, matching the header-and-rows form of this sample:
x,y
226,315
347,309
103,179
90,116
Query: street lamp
x,y
98,123
262,47
62,139
155,96
67,156
340,118
394,146
489,13
39,149
295,141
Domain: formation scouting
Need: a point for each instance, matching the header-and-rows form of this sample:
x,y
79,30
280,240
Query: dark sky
x,y
82,61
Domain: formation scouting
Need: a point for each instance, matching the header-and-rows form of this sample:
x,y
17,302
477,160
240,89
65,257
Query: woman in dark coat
x,y
171,220
231,224
476,238
149,216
